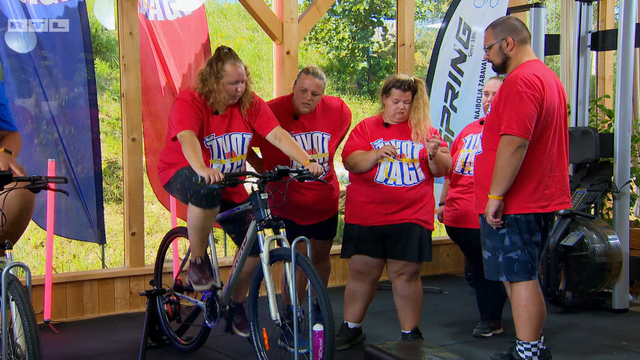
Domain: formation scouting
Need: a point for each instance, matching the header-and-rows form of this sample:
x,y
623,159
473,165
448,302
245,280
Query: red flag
x,y
174,46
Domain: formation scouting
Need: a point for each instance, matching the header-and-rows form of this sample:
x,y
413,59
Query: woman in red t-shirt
x,y
210,127
456,211
392,159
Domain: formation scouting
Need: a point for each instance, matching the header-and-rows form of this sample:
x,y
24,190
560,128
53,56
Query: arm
x,y
283,141
440,164
509,157
443,198
193,153
362,161
12,141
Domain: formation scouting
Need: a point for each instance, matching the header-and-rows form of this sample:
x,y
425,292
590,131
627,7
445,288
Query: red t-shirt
x,y
319,133
531,104
396,190
224,138
459,206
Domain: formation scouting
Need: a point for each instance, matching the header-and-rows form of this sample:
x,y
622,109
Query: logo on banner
x,y
160,10
467,155
38,25
228,152
404,169
316,144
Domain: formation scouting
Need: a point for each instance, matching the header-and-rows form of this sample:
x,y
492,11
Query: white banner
x,y
457,72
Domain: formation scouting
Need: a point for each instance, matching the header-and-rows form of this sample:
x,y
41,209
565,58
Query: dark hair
x,y
208,81
510,26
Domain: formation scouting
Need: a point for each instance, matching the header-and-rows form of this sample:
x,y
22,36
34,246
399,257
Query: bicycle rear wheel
x,y
183,322
24,340
266,335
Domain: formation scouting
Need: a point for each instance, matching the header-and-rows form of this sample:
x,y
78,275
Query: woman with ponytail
x,y
210,127
392,159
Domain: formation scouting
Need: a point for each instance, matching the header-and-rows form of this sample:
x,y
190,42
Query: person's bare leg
x,y
528,309
364,273
321,261
407,291
199,224
17,206
244,282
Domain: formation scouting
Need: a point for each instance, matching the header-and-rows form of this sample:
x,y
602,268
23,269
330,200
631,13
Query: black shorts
x,y
187,186
323,230
405,241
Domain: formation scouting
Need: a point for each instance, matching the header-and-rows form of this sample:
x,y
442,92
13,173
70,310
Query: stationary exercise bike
x,y
583,256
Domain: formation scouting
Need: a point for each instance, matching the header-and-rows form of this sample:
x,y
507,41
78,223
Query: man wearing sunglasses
x,y
521,177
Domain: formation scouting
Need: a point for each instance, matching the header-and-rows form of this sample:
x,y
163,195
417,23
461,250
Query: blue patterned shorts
x,y
513,252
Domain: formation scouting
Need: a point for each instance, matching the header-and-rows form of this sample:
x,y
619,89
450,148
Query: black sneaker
x,y
512,354
347,337
414,335
199,275
239,321
487,328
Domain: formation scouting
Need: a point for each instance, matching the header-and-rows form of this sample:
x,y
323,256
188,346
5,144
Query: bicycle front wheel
x,y
24,340
182,321
272,340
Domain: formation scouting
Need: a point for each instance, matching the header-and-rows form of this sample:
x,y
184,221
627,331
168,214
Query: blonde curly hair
x,y
209,80
420,117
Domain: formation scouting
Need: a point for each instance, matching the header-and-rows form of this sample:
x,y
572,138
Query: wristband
x,y
440,204
309,161
7,151
494,197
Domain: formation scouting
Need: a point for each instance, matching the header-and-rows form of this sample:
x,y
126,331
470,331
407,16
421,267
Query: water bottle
x,y
318,341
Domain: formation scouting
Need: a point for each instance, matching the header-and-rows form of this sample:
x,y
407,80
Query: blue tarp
x,y
47,66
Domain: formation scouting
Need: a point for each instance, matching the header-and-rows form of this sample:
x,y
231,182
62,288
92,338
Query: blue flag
x,y
47,66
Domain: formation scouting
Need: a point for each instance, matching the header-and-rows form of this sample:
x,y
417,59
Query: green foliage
x,y
603,118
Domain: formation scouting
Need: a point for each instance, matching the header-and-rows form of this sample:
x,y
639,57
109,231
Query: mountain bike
x,y
20,338
187,316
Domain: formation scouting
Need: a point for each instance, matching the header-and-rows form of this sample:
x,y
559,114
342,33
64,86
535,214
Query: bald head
x,y
509,26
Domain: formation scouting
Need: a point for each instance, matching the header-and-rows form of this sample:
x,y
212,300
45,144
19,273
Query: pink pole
x,y
48,277
174,246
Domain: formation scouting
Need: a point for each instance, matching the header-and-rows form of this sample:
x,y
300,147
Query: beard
x,y
500,66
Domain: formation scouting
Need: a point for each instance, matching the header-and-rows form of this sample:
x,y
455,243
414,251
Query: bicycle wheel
x,y
267,336
24,340
182,322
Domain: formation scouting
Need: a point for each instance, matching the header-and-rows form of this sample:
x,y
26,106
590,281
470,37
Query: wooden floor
x,y
447,321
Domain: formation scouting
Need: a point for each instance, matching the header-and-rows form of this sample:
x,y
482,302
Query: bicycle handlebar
x,y
277,174
36,182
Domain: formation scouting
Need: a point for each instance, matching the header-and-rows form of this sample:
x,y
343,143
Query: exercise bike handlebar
x,y
36,183
277,174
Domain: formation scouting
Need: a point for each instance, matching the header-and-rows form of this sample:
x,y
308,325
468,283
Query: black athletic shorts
x,y
323,230
404,241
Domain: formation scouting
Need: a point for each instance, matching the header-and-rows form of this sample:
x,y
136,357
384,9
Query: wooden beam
x,y
267,20
312,15
289,44
606,21
132,152
523,15
405,29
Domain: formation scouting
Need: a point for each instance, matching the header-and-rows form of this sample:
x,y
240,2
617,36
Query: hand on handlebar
x,y
209,175
315,169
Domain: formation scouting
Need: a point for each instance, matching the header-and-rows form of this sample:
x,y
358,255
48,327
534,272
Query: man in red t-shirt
x,y
318,123
521,177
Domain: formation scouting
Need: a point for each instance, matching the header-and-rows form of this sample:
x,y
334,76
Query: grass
x,y
255,48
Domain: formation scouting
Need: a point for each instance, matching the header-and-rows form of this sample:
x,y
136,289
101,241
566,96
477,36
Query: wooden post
x,y
132,153
523,15
405,28
278,54
606,21
290,44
